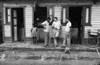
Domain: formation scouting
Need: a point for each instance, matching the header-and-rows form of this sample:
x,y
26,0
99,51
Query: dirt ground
x,y
50,57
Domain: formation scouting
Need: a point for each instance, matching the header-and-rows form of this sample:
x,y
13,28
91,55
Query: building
x,y
20,15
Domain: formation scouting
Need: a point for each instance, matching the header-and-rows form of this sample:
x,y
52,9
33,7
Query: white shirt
x,y
67,27
56,24
46,25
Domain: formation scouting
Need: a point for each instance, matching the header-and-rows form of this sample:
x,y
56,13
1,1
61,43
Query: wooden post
x,y
1,22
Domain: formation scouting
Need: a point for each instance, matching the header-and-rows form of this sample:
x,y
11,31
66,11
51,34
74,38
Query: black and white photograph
x,y
49,32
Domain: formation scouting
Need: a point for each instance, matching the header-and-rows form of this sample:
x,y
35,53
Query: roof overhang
x,y
51,1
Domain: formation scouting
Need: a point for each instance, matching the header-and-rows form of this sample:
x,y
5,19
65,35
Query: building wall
x,y
28,20
28,14
95,19
7,28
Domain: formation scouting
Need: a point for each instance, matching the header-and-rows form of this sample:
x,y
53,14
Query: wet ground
x,y
46,56
27,54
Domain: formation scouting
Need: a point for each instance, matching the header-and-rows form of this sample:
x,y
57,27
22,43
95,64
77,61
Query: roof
x,y
51,1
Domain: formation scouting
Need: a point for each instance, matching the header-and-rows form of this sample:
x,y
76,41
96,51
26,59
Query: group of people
x,y
56,28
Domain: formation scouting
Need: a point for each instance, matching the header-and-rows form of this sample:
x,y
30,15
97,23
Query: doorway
x,y
75,15
40,15
17,24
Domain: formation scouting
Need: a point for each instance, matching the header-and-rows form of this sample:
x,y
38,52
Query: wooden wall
x,y
28,20
95,19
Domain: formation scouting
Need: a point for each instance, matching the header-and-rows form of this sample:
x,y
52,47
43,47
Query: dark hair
x,y
55,17
48,18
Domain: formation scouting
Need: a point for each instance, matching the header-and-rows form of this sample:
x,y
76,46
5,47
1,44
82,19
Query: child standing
x,y
34,34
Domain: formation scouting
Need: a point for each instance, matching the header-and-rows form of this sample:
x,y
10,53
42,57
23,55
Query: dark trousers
x,y
34,40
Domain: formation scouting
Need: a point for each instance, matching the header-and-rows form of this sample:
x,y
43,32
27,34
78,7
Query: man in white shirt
x,y
46,31
56,29
67,34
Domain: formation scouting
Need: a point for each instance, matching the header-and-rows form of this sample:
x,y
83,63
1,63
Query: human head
x,y
55,18
48,19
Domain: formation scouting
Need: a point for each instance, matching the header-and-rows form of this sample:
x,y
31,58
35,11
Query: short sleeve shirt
x,y
56,24
46,25
67,27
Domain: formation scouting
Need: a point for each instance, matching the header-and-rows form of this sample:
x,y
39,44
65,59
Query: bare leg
x,y
46,38
67,49
68,40
64,41
55,41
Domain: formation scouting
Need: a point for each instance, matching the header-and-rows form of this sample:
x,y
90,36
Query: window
x,y
8,15
87,16
65,13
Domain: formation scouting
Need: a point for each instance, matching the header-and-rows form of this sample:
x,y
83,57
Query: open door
x,y
75,15
40,15
17,24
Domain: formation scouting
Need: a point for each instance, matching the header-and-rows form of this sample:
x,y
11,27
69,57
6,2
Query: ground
x,y
27,54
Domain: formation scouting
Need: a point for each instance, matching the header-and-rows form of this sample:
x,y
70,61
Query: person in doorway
x,y
56,29
34,34
46,31
67,35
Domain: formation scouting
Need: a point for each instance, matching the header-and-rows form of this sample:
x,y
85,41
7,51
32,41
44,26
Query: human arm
x,y
31,30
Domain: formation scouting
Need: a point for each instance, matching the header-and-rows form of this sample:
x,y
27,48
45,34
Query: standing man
x,y
46,31
56,29
67,35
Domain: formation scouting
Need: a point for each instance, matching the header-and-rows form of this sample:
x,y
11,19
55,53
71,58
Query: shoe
x,y
64,46
56,45
68,52
46,45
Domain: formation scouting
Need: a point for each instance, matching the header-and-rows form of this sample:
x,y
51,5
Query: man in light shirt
x,y
46,31
67,34
56,29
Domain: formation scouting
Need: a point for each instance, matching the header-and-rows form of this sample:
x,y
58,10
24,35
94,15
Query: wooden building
x,y
20,15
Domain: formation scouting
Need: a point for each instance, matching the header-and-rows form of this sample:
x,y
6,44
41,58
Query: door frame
x,y
12,31
82,19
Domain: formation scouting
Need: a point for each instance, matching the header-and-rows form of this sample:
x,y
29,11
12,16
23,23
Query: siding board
x,y
95,19
7,30
28,20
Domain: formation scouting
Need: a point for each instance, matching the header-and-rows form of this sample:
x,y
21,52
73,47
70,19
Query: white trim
x,y
87,15
64,14
50,11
